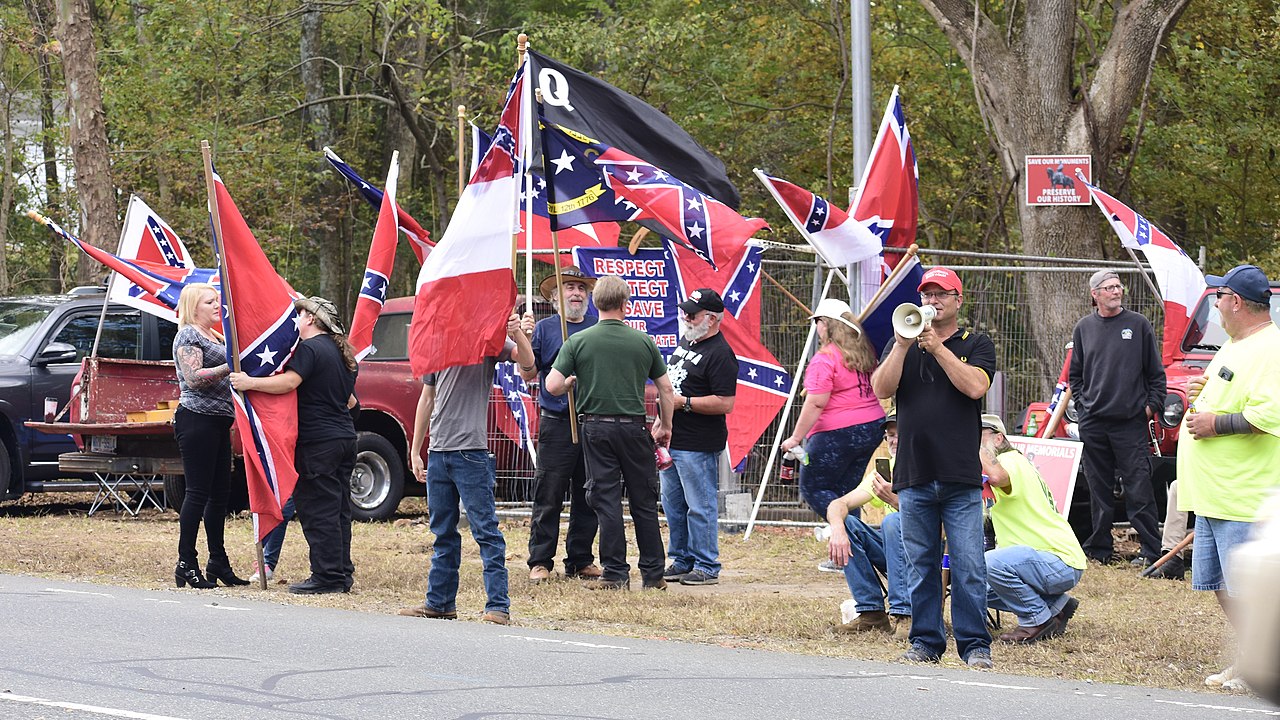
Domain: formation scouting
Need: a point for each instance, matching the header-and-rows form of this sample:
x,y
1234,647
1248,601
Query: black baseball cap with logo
x,y
702,299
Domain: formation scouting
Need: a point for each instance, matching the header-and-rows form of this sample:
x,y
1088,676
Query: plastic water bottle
x,y
1032,425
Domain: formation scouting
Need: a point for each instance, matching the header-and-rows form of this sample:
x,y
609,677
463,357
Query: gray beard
x,y
693,333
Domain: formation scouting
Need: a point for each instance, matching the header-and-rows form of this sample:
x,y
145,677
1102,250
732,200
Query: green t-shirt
x,y
612,362
1228,477
1024,513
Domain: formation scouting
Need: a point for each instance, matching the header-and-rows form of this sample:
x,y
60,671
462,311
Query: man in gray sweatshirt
x,y
1118,382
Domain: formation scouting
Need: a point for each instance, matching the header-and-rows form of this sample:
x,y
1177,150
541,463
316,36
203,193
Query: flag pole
x,y
111,281
233,342
555,249
526,160
462,161
898,269
786,414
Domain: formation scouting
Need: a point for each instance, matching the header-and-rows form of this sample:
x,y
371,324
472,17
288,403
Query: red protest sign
x,y
1051,179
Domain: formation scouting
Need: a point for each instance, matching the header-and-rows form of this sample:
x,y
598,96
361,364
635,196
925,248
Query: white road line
x,y
216,606
531,638
1228,708
158,600
110,712
77,592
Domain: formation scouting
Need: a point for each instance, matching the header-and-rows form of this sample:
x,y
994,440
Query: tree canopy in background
x,y
758,82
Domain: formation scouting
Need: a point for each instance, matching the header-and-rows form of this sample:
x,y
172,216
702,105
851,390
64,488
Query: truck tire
x,y
6,474
377,482
175,489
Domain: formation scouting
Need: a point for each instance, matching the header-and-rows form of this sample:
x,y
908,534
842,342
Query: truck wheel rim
x,y
370,481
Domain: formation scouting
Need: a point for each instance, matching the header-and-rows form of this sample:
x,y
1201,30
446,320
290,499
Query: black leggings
x,y
205,443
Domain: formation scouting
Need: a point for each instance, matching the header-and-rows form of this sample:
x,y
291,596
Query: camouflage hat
x,y
323,310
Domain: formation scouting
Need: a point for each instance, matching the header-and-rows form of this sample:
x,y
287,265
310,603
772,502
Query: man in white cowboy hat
x,y
561,467
1037,558
704,374
323,371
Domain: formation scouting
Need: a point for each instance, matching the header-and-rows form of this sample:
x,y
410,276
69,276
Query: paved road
x,y
84,652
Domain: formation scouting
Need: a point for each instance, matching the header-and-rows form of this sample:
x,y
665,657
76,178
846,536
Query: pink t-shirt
x,y
852,400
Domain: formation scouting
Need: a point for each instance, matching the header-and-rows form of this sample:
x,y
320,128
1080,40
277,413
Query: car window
x,y
167,331
391,337
18,323
121,335
1205,332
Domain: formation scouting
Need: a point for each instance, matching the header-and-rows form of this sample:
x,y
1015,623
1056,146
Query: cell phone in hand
x,y
882,467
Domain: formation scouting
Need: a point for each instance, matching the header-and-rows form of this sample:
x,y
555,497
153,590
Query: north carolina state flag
x,y
259,316
466,289
1181,282
377,270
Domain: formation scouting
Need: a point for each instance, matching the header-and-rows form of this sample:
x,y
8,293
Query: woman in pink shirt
x,y
839,424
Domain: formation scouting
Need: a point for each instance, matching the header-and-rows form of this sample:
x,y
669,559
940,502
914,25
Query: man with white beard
x,y
704,373
560,464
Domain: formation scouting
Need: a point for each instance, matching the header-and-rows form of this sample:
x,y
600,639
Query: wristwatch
x,y
688,404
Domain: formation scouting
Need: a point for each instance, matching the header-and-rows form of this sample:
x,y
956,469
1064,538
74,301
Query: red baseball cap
x,y
943,278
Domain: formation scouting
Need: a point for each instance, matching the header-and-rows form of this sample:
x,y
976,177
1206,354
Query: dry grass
x,y
1128,630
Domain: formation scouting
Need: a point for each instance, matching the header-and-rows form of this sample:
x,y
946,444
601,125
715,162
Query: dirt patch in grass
x,y
1154,633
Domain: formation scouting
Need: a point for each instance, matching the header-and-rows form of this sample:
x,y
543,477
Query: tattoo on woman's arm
x,y
190,364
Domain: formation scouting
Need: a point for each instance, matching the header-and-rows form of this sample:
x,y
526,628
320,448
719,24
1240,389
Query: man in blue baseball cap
x,y
1231,445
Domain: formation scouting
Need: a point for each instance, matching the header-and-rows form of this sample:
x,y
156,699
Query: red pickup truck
x,y
1202,338
386,387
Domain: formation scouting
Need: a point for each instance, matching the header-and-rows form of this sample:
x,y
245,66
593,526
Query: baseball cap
x,y
323,310
890,418
993,422
834,309
547,288
702,299
1247,281
944,278
1096,279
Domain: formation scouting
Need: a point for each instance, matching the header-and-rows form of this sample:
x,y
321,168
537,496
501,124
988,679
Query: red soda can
x,y
663,457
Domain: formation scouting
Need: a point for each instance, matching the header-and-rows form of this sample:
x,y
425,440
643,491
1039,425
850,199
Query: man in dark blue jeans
x,y
453,409
939,381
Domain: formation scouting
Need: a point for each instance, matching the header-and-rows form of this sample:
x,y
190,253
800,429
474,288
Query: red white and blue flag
x,y
260,304
888,204
763,384
694,220
837,238
160,281
419,239
148,238
1181,282
516,416
878,315
466,289
377,270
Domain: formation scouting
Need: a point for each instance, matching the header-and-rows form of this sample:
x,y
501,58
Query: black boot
x,y
185,574
221,570
1173,569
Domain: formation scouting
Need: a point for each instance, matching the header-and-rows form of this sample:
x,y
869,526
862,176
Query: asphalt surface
x,y
84,652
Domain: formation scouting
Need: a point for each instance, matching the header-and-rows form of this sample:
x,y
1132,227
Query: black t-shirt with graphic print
x,y
707,367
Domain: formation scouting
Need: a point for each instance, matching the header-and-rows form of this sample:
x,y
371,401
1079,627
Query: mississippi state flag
x,y
258,315
699,222
466,289
839,240
377,270
1180,281
419,239
763,384
159,283
888,201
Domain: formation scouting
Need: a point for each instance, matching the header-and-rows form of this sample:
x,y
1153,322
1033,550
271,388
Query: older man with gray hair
x,y
1118,382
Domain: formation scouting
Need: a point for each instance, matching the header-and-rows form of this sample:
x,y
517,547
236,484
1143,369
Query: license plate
x,y
105,444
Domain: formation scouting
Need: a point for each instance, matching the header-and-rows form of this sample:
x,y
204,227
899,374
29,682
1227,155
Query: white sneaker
x,y
828,566
1220,679
256,576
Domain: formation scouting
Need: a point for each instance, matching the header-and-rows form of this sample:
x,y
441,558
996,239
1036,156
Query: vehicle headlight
x,y
1174,409
1073,414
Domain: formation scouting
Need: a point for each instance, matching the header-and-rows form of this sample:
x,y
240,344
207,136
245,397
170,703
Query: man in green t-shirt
x,y
1037,557
1230,446
608,365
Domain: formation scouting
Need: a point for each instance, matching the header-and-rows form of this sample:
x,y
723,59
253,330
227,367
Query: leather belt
x,y
553,414
613,418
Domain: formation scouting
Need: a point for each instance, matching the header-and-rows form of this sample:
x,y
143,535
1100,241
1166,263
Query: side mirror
x,y
56,353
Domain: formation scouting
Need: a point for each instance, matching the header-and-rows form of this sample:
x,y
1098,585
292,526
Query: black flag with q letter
x,y
593,107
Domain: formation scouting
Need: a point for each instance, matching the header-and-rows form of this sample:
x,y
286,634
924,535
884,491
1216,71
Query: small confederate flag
x,y
377,271
519,409
419,239
838,239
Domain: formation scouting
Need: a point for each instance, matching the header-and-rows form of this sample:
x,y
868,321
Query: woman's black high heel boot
x,y
185,574
221,570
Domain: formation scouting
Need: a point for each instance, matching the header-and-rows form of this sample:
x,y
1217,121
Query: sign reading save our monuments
x,y
1051,179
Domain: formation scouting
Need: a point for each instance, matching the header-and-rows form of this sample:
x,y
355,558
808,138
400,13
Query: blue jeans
x,y
882,550
689,501
1032,584
273,543
465,476
837,459
1215,539
927,510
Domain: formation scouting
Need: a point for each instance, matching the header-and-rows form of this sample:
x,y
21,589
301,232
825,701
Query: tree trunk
x,y
6,187
39,16
1026,81
99,224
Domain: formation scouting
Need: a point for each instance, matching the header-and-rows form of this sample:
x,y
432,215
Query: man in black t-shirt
x,y
323,372
939,380
704,373
1118,382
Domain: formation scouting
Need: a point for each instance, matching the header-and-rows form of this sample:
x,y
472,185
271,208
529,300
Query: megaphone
x,y
910,320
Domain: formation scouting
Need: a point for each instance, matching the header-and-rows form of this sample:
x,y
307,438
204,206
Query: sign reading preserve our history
x,y
1051,179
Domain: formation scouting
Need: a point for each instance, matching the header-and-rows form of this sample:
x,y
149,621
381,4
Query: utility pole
x,y
860,73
